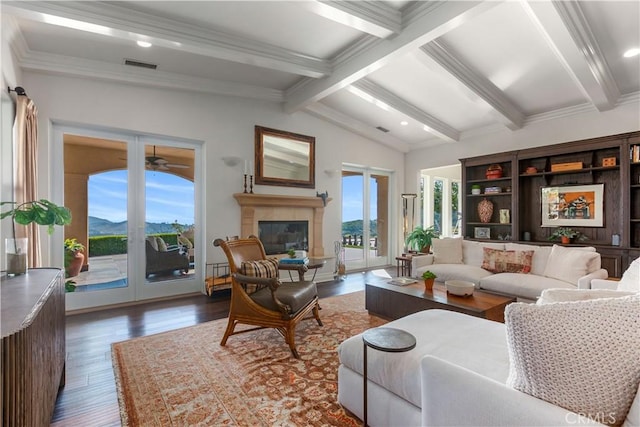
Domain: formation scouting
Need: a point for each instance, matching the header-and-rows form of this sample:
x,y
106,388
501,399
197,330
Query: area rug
x,y
185,378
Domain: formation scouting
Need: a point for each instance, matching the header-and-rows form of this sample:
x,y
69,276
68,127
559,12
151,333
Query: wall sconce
x,y
331,172
232,161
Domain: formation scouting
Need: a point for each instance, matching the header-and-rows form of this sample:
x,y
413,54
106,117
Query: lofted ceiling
x,y
448,69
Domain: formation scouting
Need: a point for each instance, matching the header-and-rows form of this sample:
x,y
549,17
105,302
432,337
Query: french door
x,y
365,217
135,206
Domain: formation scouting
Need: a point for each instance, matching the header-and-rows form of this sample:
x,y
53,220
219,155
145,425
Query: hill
x,y
354,228
104,227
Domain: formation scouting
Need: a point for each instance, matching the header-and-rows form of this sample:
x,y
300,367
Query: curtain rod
x,y
19,90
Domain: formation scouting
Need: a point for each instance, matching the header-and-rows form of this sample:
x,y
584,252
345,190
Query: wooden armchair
x,y
274,304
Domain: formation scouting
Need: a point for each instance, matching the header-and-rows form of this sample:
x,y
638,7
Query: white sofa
x,y
551,267
458,372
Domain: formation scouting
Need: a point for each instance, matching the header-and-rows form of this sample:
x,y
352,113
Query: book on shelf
x,y
304,260
403,281
634,153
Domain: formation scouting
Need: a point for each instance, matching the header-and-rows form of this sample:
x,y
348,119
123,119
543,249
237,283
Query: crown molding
x,y
98,70
436,126
117,21
509,114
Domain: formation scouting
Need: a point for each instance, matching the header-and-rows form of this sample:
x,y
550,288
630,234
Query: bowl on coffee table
x,y
459,287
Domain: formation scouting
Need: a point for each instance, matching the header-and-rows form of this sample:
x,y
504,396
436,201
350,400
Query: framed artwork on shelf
x,y
482,232
573,205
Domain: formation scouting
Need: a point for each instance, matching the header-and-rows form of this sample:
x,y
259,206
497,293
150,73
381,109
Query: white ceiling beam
x,y
116,21
375,18
508,113
429,21
434,125
567,32
349,123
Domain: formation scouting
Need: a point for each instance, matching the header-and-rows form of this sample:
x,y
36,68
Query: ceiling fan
x,y
157,163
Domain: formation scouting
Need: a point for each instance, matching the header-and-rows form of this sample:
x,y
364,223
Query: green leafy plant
x,y
70,286
291,253
561,232
42,212
420,238
428,275
73,246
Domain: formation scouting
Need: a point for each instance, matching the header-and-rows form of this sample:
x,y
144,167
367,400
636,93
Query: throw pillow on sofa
x,y
582,356
497,261
569,265
447,250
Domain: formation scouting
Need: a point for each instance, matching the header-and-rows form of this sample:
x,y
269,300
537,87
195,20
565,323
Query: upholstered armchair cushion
x,y
294,295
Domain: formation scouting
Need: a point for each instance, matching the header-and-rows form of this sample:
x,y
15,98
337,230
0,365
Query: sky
x,y
352,198
168,197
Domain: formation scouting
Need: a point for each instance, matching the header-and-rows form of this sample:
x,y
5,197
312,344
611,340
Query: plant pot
x,y
75,265
428,284
565,240
16,255
426,249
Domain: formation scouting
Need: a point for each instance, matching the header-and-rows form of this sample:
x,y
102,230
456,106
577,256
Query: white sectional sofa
x,y
549,266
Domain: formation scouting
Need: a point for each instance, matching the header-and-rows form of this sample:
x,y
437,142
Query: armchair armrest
x,y
456,396
418,261
604,284
585,281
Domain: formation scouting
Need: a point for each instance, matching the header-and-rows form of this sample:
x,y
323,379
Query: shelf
x,y
490,195
632,186
489,224
583,170
479,181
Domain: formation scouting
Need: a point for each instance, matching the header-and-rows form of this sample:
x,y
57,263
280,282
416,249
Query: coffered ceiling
x,y
448,69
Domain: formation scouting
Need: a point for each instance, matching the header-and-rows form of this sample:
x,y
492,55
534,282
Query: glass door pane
x,y
353,218
95,189
169,214
378,219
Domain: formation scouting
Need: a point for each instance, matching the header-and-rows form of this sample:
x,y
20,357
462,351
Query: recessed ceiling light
x,y
143,43
632,52
404,123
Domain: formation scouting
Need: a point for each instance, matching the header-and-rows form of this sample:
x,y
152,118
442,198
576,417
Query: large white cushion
x,y
631,278
569,265
521,285
565,295
473,254
471,342
447,250
582,356
540,255
445,272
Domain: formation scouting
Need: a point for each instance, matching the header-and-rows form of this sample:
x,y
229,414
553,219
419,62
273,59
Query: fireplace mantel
x,y
266,207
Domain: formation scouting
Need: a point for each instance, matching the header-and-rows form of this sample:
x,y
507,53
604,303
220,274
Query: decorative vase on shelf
x,y
485,210
16,255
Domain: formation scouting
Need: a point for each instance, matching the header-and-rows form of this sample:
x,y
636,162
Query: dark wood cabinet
x,y
607,160
33,346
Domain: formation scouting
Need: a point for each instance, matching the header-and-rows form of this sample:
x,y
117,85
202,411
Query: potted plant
x,y
565,234
429,277
42,212
420,239
73,257
291,253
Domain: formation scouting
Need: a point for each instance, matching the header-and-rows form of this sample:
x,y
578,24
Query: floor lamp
x,y
407,226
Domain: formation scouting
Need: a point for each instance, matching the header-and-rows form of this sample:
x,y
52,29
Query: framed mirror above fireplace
x,y
284,158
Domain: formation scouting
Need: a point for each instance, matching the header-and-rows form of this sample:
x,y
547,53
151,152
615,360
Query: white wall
x,y
625,118
225,124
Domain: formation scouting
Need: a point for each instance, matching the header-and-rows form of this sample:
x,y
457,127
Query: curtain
x,y
26,176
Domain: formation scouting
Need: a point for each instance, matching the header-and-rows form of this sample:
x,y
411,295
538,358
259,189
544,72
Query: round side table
x,y
389,340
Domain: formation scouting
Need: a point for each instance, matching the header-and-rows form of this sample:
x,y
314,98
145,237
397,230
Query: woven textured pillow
x,y
582,355
266,268
498,261
447,250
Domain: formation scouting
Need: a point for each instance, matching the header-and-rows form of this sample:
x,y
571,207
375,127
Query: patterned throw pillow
x,y
580,355
498,261
265,268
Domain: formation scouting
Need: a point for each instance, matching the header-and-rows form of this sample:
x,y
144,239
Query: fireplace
x,y
278,237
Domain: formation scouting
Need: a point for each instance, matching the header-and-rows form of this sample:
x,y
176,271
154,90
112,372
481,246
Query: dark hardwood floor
x,y
89,396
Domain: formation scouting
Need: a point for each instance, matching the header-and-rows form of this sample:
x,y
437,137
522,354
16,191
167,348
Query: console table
x,y
33,346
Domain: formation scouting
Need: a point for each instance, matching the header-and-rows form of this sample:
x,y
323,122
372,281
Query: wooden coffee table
x,y
392,301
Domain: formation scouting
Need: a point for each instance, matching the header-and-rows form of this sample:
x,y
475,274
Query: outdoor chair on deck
x,y
274,304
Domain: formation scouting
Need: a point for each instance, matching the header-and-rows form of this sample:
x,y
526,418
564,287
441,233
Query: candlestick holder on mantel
x,y
250,184
245,183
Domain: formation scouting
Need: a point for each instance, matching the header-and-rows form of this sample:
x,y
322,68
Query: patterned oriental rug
x,y
185,378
